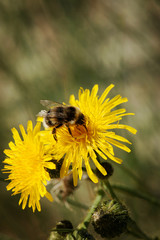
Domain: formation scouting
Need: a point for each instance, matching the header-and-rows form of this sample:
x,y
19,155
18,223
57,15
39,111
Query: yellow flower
x,y
96,138
26,162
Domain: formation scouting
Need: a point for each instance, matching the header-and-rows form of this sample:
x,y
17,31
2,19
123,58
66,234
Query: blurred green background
x,y
51,48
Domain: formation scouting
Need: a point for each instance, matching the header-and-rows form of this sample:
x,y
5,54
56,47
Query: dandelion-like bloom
x,y
95,138
26,162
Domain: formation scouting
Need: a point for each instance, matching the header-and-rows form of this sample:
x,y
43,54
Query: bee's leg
x,y
54,134
54,131
69,130
84,125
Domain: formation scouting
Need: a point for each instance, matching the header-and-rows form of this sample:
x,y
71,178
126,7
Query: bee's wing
x,y
49,104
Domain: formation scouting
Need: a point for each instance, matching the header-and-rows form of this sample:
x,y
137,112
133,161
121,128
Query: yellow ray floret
x,y
25,163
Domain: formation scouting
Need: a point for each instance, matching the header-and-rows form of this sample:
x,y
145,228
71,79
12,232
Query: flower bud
x,y
64,224
62,229
109,169
110,219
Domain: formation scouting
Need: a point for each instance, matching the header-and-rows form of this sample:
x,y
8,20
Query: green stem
x,y
85,223
108,187
134,193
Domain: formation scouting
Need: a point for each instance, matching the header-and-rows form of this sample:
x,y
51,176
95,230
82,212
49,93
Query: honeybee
x,y
59,115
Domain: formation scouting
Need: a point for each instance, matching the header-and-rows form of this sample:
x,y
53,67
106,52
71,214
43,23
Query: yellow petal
x,y
49,196
72,100
29,126
37,128
122,126
94,91
40,119
117,137
80,172
118,144
105,93
16,136
22,131
91,175
50,165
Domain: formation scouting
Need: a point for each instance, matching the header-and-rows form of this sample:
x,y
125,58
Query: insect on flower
x,y
59,115
91,120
